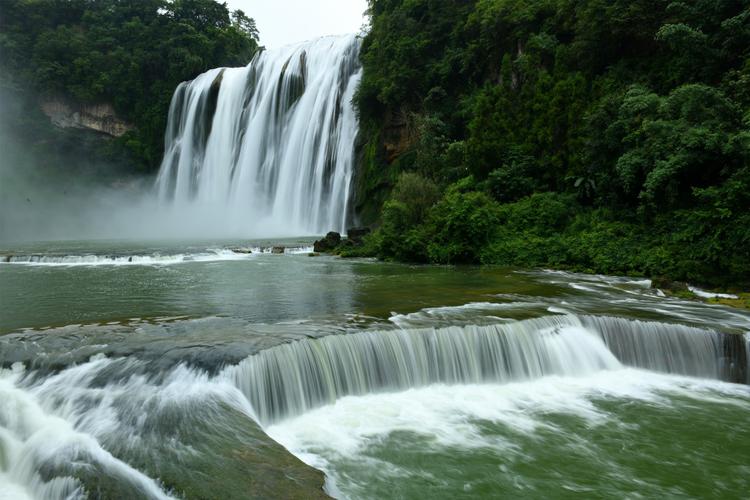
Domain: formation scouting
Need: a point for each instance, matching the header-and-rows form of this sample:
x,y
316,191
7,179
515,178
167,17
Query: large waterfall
x,y
267,149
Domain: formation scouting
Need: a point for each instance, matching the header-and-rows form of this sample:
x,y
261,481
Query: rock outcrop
x,y
65,113
327,244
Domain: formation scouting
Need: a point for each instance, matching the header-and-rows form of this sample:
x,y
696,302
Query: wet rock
x,y
278,250
327,244
735,362
67,113
242,250
666,284
5,258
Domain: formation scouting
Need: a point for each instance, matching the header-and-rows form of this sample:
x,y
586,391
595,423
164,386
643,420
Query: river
x,y
222,370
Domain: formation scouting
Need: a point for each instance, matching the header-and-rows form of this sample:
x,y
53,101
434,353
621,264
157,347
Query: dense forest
x,y
608,136
130,54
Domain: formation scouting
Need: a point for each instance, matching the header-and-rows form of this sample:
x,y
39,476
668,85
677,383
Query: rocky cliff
x,y
65,113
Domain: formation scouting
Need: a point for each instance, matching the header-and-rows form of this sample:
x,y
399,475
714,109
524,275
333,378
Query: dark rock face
x,y
277,250
330,242
356,234
68,113
735,359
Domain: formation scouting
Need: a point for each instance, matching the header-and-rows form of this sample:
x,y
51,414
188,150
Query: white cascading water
x,y
62,431
267,149
290,379
666,347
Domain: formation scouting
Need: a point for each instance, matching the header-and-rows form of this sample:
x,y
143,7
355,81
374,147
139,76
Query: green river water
x,y
125,374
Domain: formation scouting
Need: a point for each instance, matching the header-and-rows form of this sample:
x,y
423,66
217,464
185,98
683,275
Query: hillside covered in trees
x,y
128,54
610,136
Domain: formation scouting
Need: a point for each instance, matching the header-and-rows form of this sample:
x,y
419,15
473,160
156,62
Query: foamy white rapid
x,y
294,378
43,431
349,435
147,259
61,432
268,148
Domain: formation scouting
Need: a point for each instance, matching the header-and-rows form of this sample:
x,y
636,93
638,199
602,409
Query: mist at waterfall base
x,y
44,198
260,151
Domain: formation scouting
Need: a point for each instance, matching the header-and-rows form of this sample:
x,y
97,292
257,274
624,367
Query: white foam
x,y
431,314
32,436
710,295
452,416
154,259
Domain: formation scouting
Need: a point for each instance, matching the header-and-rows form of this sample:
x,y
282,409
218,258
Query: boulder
x,y
327,244
277,250
666,284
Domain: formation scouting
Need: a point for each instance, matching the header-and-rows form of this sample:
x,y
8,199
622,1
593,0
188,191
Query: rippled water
x,y
153,370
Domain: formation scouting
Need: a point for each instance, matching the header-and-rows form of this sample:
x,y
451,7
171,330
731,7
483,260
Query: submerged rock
x,y
327,244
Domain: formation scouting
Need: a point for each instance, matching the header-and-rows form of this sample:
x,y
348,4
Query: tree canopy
x,y
132,54
632,115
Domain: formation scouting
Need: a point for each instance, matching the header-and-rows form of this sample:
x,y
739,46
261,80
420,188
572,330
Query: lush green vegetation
x,y
609,136
131,54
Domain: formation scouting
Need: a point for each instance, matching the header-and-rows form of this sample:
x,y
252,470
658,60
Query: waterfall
x,y
270,147
293,378
672,348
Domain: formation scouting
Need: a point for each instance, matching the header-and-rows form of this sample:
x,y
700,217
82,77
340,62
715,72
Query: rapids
x,y
356,366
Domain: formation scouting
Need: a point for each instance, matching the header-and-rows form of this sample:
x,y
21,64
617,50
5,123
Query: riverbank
x,y
366,244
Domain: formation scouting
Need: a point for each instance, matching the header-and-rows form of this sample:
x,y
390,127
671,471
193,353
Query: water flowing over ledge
x,y
149,259
77,425
291,379
268,148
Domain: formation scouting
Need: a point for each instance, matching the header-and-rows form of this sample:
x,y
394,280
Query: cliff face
x,y
102,118
398,135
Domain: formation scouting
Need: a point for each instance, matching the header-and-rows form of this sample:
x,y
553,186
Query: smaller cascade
x,y
673,348
288,380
